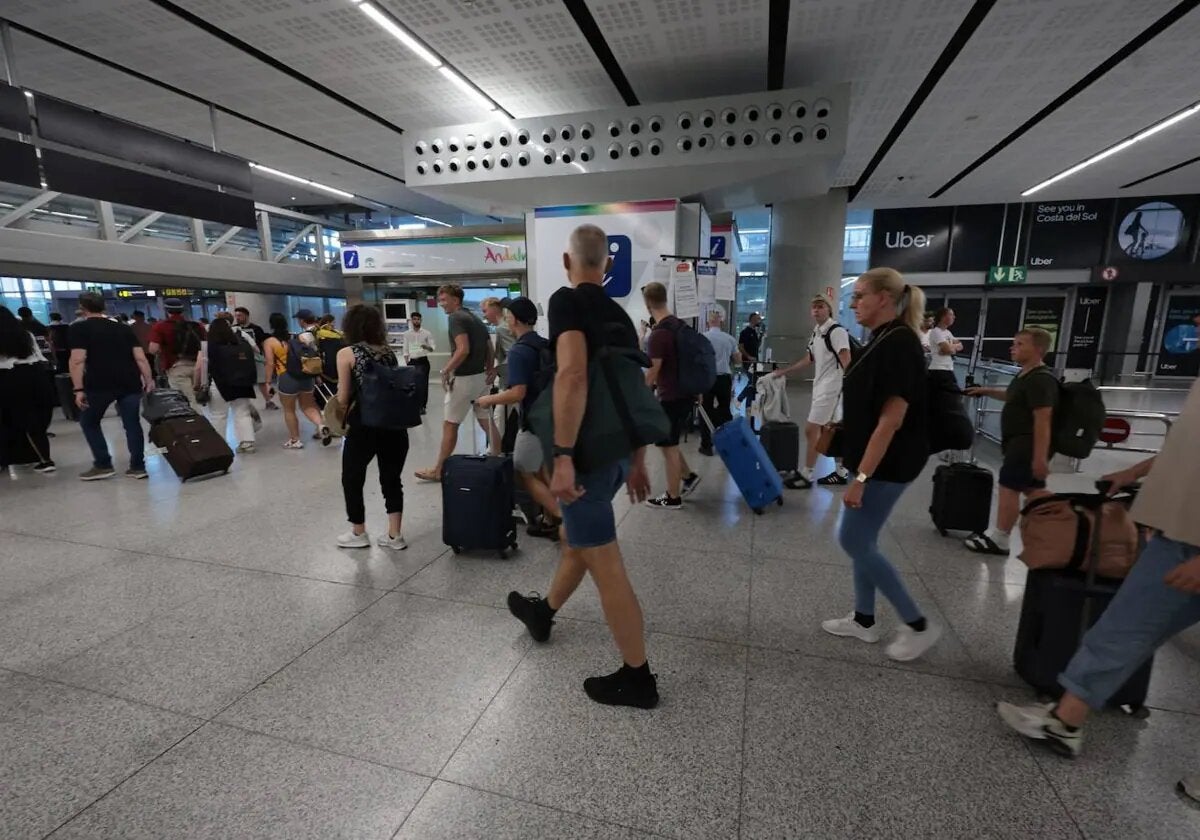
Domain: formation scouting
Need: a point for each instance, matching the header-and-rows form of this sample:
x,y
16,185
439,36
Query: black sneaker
x,y
626,687
544,528
665,502
45,467
834,479
534,613
689,485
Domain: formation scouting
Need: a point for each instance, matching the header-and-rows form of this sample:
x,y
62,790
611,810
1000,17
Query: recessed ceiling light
x,y
433,221
466,87
293,198
1177,117
287,176
400,34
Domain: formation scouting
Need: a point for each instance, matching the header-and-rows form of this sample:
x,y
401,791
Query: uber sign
x,y
911,239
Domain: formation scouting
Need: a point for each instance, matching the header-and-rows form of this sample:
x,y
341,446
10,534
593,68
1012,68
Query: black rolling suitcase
x,y
477,504
66,396
191,446
962,498
781,439
1059,607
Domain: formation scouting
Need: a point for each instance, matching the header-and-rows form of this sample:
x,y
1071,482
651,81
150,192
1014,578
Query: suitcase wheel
x,y
942,531
757,511
503,554
779,501
456,549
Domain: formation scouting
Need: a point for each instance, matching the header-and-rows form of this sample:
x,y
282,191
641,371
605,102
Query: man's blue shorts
x,y
589,520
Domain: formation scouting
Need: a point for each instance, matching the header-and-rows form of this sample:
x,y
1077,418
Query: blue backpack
x,y
696,358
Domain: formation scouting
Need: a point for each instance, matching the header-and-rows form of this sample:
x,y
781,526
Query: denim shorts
x,y
291,385
1016,473
589,520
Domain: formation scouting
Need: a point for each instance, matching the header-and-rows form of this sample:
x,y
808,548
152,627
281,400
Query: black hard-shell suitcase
x,y
1058,608
781,439
962,498
192,446
477,504
66,396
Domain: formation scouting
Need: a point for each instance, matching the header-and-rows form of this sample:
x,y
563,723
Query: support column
x,y
261,306
807,239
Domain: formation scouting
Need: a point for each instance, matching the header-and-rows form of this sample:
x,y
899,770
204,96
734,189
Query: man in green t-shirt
x,y
1025,426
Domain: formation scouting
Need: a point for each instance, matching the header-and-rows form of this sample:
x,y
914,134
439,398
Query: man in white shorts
x,y
829,353
464,377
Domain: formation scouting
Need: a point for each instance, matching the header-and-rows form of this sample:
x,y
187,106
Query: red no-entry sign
x,y
1115,430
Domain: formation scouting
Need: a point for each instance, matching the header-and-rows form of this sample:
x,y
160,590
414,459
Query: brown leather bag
x,y
1058,532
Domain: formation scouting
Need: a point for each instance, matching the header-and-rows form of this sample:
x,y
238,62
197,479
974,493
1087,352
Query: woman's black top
x,y
891,365
218,359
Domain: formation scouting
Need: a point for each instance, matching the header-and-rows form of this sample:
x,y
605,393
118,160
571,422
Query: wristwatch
x,y
564,451
862,478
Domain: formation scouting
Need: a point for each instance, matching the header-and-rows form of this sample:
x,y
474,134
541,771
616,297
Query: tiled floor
x,y
199,660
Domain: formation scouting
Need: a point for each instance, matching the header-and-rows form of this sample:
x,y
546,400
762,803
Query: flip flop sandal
x,y
832,480
798,482
983,544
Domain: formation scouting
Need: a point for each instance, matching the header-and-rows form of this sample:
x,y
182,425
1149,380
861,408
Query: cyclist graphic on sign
x,y
1151,231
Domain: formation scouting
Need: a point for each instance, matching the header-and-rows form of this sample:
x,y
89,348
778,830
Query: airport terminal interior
x,y
201,649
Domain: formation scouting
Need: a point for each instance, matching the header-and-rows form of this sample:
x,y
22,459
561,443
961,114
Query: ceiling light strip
x,y
287,176
433,221
1163,125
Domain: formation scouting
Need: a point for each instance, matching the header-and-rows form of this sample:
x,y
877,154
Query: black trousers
x,y
26,393
422,364
716,406
389,447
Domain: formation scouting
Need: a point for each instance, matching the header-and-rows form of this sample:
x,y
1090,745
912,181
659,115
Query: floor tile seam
x,y
200,561
608,821
741,806
407,578
1032,749
428,787
124,781
641,541
949,624
56,681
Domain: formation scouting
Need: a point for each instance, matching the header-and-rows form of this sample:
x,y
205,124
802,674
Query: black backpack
x,y
236,363
387,396
855,344
543,377
188,340
696,360
1078,418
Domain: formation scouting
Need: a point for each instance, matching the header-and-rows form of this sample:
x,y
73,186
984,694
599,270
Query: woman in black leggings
x,y
26,394
366,340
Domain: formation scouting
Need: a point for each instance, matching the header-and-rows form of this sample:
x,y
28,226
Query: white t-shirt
x,y
937,361
413,341
827,378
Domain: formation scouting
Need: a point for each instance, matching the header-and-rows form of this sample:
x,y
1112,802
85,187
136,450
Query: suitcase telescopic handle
x,y
705,418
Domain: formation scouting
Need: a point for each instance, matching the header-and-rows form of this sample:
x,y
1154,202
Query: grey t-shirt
x,y
463,322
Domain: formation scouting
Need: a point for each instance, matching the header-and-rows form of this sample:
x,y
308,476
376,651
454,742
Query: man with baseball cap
x,y
829,353
528,355
176,342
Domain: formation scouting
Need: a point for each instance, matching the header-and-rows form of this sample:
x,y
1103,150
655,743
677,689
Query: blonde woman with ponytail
x,y
883,444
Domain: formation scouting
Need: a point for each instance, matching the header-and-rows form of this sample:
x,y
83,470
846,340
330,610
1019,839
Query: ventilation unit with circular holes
x,y
487,141
707,119
566,132
505,160
421,147
705,141
436,146
635,149
749,138
486,162
548,134
422,167
821,132
522,137
503,138
453,145
614,128
798,109
796,135
566,155
821,108
438,166
684,121
614,151
586,131
654,147
751,114
775,112
455,165
522,158
548,157
728,140
469,142
635,126
774,136
471,164
728,116
684,144
586,154
654,124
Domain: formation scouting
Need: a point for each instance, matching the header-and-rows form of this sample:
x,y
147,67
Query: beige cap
x,y
821,299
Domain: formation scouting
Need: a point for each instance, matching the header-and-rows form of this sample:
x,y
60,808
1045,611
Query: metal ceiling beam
x,y
139,226
108,222
958,41
1147,35
220,241
595,39
779,16
1161,172
296,240
18,213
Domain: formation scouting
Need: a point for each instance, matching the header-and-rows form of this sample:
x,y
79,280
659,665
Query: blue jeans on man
x,y
128,406
1144,614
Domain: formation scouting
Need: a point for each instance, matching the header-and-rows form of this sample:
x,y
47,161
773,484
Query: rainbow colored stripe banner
x,y
616,208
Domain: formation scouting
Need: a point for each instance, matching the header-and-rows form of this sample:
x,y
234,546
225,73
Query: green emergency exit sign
x,y
514,289
1007,275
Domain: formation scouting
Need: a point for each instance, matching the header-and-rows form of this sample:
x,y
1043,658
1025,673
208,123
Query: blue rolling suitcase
x,y
477,504
747,461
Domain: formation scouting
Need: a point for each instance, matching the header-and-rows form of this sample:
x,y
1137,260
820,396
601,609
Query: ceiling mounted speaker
x,y
707,119
635,126
522,137
587,153
614,128
798,109
422,167
635,149
614,151
486,162
705,141
775,112
655,124
684,121
566,155
505,160
728,140
586,131
751,114
421,147
654,147
548,134
522,158
455,165
487,142
774,136
821,132
438,166
453,145
503,138
566,132
471,164
821,108
729,116
436,146
796,135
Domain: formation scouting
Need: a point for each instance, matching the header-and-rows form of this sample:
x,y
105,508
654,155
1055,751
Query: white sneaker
x,y
1038,723
909,644
849,627
395,543
1189,786
353,540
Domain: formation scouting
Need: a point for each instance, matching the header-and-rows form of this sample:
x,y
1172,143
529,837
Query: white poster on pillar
x,y
639,232
683,290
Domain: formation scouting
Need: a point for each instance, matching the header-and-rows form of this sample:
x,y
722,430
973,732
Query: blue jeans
x,y
858,536
127,406
1143,614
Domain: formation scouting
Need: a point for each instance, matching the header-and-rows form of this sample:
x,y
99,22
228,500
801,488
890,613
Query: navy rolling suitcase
x,y
962,498
743,455
477,504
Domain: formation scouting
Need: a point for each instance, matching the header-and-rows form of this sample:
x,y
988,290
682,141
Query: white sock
x,y
807,473
842,471
1000,538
